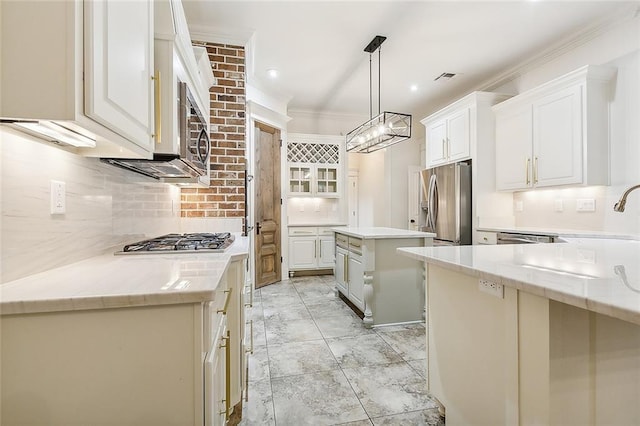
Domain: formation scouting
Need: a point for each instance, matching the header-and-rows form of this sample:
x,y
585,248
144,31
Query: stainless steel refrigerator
x,y
446,201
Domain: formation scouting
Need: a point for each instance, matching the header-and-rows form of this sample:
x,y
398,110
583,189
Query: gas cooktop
x,y
182,243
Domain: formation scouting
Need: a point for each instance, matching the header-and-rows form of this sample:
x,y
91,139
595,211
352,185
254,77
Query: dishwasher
x,y
518,238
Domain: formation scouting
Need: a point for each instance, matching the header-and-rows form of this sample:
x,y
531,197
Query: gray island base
x,y
387,287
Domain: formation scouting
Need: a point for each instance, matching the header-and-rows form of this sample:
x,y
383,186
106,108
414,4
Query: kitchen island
x,y
534,334
139,339
386,287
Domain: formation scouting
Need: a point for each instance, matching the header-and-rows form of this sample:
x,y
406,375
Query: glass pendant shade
x,y
381,131
387,128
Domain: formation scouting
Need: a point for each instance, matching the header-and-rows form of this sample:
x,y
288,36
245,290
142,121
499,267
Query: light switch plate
x,y
585,205
559,206
58,197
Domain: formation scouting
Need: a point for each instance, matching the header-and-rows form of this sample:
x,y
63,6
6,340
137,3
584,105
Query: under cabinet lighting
x,y
57,132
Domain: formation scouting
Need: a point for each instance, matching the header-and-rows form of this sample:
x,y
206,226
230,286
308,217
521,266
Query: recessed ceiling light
x,y
273,73
413,88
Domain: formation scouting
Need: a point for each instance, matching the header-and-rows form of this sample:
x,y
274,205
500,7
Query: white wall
x,y
323,124
398,158
371,197
618,47
107,207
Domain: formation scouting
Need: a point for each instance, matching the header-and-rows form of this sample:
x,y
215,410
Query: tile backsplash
x,y
313,210
106,206
569,208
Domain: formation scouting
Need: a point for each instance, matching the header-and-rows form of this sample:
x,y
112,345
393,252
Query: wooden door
x,y
267,208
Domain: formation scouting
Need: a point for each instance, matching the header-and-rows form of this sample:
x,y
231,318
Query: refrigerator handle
x,y
433,202
429,202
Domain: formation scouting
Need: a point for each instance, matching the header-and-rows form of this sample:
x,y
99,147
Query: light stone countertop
x,y
376,233
110,281
600,275
318,224
558,232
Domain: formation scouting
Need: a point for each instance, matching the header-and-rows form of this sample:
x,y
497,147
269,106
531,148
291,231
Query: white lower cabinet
x,y
349,269
311,248
215,371
148,365
487,237
355,274
340,271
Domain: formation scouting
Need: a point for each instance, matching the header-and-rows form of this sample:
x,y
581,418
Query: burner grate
x,y
186,243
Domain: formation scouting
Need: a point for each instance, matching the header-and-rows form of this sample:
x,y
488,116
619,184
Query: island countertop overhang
x,y
602,276
375,233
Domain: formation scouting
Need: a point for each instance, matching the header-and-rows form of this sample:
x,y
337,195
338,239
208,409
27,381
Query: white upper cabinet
x,y
315,165
513,129
557,138
82,67
556,134
448,136
119,67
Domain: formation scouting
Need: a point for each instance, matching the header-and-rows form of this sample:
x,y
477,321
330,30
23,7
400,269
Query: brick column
x,y
225,196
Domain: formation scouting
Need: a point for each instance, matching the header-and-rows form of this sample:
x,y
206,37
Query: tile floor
x,y
315,364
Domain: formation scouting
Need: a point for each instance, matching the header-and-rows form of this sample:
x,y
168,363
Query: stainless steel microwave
x,y
184,162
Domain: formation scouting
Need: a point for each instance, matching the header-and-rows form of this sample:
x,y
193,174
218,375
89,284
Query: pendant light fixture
x,y
384,130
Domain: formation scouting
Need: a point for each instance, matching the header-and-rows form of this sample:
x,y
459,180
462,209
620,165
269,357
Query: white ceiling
x,y
318,46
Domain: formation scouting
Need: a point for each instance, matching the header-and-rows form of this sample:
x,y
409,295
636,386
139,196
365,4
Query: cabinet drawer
x,y
355,245
325,231
303,231
342,241
487,237
214,313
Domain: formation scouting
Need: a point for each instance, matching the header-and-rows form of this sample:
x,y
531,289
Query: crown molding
x,y
230,36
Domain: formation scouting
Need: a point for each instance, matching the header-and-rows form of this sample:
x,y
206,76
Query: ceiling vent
x,y
445,76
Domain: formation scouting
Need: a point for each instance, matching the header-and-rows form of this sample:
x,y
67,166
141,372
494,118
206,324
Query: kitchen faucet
x,y
619,206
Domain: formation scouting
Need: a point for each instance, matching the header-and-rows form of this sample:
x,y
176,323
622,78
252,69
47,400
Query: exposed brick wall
x,y
225,196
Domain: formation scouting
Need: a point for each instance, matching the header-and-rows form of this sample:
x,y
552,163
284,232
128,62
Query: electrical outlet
x,y
491,287
519,206
559,206
58,197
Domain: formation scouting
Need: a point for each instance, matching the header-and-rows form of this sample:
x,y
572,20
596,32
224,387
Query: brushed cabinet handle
x,y
444,147
226,303
250,304
526,169
251,340
227,353
448,147
535,170
345,268
158,107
